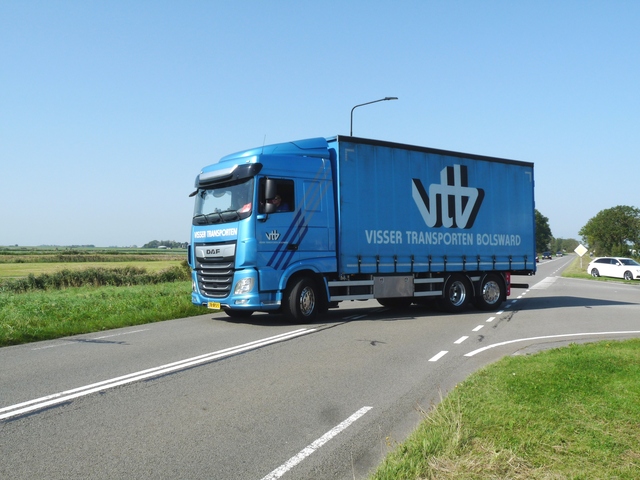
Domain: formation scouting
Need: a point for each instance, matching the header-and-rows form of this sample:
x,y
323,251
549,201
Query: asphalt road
x,y
208,397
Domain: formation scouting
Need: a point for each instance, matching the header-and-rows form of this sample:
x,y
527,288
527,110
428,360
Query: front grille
x,y
215,275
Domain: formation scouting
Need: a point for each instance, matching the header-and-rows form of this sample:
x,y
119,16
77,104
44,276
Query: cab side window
x,y
284,199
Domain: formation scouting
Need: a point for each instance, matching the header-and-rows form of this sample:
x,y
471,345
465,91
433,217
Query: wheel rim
x,y
457,293
628,276
491,292
594,272
307,301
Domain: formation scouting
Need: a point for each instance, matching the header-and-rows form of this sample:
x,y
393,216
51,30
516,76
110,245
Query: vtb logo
x,y
273,235
450,204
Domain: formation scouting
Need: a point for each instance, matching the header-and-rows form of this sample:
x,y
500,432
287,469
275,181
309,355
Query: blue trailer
x,y
299,227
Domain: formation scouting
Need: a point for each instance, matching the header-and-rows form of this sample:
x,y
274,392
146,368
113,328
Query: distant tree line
x,y
613,231
165,244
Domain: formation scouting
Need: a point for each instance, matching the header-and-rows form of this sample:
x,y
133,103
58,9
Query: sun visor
x,y
235,172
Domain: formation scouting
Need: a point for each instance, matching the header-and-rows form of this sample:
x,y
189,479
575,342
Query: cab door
x,y
275,232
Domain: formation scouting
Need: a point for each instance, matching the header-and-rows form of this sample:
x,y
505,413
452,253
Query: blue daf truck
x,y
298,227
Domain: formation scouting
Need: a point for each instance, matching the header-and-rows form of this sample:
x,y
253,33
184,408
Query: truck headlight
x,y
243,286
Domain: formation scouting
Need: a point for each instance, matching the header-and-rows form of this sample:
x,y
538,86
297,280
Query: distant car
x,y
559,254
546,255
617,267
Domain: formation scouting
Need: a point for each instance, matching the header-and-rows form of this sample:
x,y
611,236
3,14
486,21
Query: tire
x,y
492,292
456,294
595,272
628,275
239,313
301,300
396,302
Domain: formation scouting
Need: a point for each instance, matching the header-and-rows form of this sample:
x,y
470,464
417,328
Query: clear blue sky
x,y
108,109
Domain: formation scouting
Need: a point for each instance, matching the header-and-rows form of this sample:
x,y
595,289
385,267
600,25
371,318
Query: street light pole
x,y
368,103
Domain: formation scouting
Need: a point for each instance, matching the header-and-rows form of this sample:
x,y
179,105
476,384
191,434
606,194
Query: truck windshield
x,y
223,203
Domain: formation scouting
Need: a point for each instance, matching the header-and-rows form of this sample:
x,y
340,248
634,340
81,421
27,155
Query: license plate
x,y
213,305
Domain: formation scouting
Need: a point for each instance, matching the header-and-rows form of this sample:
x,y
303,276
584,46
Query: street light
x,y
368,103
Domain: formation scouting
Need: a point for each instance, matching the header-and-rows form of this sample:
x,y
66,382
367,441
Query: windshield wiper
x,y
206,218
227,217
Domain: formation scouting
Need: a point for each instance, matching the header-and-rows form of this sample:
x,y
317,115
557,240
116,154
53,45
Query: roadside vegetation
x,y
613,232
48,314
578,269
565,413
95,277
43,299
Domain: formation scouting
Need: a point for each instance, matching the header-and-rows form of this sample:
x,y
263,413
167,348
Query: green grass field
x,y
18,262
19,270
45,315
42,311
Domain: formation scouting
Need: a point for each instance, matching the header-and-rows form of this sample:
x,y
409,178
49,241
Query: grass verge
x,y
565,413
44,315
576,270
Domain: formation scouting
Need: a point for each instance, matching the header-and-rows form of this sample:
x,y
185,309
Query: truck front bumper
x,y
244,295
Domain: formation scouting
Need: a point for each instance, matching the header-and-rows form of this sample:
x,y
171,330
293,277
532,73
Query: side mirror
x,y
270,188
270,191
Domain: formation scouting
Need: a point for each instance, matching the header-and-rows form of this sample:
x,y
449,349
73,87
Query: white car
x,y
614,267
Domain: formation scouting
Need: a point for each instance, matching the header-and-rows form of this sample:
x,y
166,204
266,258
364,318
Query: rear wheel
x,y
628,275
492,292
595,272
301,300
456,294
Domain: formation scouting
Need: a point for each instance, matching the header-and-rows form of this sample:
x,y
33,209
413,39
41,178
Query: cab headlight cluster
x,y
243,286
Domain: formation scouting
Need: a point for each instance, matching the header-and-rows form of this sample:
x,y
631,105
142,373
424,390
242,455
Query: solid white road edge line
x,y
305,452
471,354
38,403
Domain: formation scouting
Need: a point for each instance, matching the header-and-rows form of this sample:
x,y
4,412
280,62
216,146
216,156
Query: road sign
x,y
581,250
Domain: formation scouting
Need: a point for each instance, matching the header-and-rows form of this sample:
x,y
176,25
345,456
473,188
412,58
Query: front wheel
x,y
301,300
456,294
492,292
628,275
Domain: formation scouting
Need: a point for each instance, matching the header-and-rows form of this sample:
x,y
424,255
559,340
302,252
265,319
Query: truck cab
x,y
264,219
